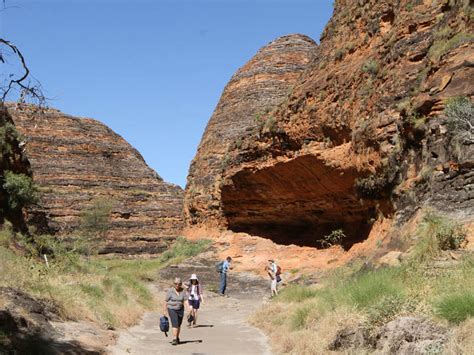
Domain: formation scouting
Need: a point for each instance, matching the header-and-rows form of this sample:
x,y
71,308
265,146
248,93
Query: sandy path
x,y
223,330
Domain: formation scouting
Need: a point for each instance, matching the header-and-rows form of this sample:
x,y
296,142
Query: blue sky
x,y
153,71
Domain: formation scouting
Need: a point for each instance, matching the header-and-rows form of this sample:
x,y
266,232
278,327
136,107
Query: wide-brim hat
x,y
193,277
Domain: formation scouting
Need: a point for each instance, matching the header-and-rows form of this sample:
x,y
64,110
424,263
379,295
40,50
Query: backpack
x,y
278,270
164,325
220,266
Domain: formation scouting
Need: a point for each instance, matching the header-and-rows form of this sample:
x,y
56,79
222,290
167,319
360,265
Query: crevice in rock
x,y
297,202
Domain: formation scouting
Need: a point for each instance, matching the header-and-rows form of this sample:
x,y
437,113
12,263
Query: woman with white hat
x,y
195,299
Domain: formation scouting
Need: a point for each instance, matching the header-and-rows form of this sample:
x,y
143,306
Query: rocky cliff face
x,y
76,161
363,135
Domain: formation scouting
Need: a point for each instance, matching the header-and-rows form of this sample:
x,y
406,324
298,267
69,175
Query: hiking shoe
x,y
175,342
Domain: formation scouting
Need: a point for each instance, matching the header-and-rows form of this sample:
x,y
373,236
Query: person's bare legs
x,y
195,314
274,288
192,311
176,332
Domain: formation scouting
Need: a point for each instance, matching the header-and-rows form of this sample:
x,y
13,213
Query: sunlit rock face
x,y
77,161
311,139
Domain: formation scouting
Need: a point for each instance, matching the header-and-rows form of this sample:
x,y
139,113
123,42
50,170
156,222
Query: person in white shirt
x,y
195,298
272,271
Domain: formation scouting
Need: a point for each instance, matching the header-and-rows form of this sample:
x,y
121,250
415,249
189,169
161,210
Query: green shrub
x,y
6,235
384,311
372,186
299,317
456,307
426,173
460,114
92,290
296,293
20,189
371,67
335,237
271,125
8,134
259,121
371,287
437,233
339,54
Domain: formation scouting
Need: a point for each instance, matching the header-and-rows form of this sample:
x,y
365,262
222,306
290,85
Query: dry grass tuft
x,y
462,340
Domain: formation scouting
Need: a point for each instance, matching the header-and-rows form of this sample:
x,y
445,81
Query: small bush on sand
x,y
457,307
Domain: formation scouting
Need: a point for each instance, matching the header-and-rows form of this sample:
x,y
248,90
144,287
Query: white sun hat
x,y
193,277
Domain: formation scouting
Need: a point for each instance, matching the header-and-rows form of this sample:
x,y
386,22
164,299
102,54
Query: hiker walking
x,y
195,298
223,268
174,306
274,271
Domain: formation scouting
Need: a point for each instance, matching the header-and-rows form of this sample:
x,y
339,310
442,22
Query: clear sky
x,y
153,71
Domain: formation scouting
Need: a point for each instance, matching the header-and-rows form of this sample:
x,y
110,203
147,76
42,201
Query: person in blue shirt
x,y
226,266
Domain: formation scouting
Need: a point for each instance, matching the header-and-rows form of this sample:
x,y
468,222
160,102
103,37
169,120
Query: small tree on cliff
x,y
94,224
21,190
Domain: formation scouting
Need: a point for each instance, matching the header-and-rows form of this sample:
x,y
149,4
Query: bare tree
x,y
18,80
16,83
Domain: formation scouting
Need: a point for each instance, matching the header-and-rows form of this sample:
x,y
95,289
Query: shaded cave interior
x,y
297,202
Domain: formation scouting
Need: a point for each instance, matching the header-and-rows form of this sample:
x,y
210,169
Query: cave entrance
x,y
298,202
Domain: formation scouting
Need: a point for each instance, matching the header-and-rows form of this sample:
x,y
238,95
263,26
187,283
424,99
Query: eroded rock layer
x,y
363,135
78,161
